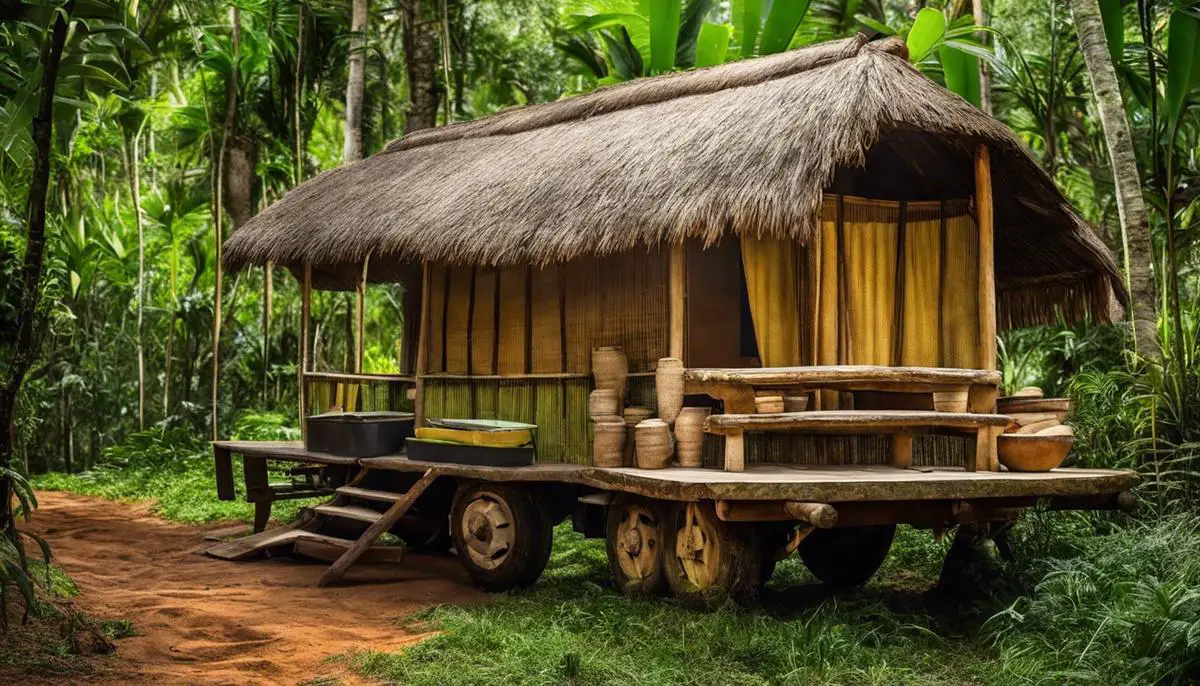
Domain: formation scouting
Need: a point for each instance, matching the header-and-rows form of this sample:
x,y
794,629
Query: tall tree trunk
x,y
421,60
1135,228
985,78
352,149
218,216
133,170
298,98
35,247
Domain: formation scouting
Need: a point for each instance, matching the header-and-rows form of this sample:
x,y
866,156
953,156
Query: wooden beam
x,y
305,315
373,532
678,299
360,313
820,515
422,346
985,217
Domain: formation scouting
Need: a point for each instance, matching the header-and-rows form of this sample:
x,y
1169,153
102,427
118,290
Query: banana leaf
x,y
750,22
713,44
782,22
1183,53
664,34
1114,28
961,72
689,32
925,34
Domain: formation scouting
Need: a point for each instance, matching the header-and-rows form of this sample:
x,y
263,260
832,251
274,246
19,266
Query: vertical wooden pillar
x,y
678,300
305,315
985,218
422,346
360,308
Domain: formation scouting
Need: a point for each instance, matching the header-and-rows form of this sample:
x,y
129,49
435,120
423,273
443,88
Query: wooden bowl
x,y
950,401
1032,453
1060,407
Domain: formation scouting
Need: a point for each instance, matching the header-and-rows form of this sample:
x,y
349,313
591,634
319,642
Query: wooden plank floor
x,y
817,483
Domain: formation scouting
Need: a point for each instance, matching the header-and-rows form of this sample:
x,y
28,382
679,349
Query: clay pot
x,y
768,404
689,436
654,444
610,368
1029,392
604,402
795,403
608,445
668,386
950,401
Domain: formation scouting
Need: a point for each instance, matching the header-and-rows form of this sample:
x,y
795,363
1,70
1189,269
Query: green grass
x,y
1122,608
175,471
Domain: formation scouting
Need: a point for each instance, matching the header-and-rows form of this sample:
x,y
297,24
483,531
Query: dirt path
x,y
205,621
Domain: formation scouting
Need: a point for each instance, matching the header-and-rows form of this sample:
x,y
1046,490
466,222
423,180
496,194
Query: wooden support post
x,y
902,449
305,315
678,299
422,347
223,467
985,217
360,313
735,451
981,399
985,458
820,515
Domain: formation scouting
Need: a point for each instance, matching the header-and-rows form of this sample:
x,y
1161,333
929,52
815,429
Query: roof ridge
x,y
640,92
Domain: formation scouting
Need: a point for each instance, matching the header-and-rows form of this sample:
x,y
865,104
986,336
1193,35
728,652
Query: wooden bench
x,y
901,425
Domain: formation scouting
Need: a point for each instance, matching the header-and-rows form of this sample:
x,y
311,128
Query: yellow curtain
x,y
922,325
772,285
960,294
869,239
856,285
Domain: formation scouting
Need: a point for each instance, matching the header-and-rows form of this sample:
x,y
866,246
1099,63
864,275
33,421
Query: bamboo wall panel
x,y
512,323
546,320
437,317
484,333
458,319
805,449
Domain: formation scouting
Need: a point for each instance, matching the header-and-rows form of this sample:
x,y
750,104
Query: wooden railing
x,y
332,392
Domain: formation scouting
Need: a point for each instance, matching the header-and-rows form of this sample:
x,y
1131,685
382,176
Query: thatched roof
x,y
747,147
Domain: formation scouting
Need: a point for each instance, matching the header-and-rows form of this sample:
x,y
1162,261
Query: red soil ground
x,y
205,621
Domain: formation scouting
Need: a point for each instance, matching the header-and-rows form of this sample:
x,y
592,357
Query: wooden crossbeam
x,y
374,531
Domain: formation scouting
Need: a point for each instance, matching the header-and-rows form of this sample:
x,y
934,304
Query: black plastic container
x,y
359,434
475,455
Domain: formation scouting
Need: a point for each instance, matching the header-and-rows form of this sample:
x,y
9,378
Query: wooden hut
x,y
826,222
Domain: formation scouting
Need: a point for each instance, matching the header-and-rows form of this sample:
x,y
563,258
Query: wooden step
x,y
330,548
368,494
361,514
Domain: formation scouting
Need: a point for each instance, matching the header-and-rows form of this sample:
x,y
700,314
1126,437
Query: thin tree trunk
x,y
133,170
1135,228
445,41
35,246
268,298
421,58
230,117
298,98
985,78
352,149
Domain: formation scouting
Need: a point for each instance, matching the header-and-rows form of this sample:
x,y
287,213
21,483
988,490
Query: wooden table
x,y
736,387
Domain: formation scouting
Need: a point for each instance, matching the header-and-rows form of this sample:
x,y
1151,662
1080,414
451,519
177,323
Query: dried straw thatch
x,y
747,147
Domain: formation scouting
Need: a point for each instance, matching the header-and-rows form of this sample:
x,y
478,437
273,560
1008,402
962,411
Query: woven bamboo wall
x,y
485,322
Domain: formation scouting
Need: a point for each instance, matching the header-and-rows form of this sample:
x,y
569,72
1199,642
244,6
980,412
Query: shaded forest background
x,y
140,134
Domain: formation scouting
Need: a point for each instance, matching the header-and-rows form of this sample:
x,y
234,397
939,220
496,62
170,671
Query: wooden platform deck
x,y
817,483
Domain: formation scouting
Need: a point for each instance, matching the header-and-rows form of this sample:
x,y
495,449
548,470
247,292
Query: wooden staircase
x,y
342,551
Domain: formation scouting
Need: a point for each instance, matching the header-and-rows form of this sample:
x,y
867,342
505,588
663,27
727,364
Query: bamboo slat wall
x,y
490,328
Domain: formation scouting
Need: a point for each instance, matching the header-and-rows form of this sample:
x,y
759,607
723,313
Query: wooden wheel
x,y
847,556
634,542
502,537
708,560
